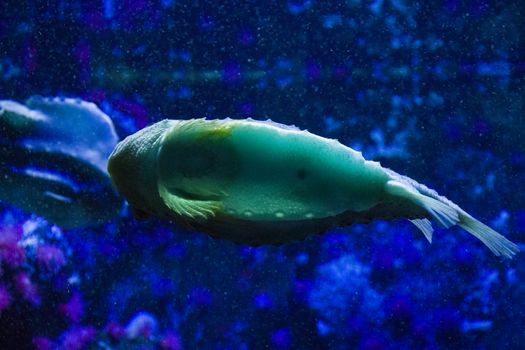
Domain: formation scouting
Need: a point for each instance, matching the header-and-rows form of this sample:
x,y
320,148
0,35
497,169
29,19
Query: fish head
x,y
132,167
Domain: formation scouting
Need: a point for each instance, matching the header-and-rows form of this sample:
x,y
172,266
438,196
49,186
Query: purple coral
x,y
11,253
73,309
43,343
170,341
27,289
50,258
115,331
77,338
5,298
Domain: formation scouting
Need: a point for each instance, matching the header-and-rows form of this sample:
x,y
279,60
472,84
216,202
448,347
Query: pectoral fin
x,y
195,165
193,208
425,226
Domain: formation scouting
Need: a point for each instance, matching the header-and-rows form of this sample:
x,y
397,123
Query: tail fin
x,y
498,244
449,214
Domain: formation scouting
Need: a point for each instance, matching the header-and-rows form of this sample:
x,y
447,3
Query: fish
x,y
265,183
53,160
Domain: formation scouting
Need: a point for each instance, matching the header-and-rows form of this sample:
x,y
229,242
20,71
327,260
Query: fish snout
x,y
122,169
132,167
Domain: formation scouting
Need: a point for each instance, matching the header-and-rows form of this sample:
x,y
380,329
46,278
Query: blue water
x,y
432,89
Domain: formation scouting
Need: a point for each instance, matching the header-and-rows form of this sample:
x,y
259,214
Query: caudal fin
x,y
498,244
448,214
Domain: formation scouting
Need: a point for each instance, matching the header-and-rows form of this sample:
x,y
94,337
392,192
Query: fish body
x,y
53,160
256,182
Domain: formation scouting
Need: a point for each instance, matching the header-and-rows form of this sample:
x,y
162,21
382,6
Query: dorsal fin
x,y
275,124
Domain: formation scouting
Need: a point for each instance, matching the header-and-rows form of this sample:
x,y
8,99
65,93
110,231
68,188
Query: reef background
x,y
432,89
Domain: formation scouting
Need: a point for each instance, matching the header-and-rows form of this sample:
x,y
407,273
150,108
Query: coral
x,y
115,331
35,262
141,325
11,252
5,298
342,289
27,288
73,309
43,343
77,338
50,258
170,341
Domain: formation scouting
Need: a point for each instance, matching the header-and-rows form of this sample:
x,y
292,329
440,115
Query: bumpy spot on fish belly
x,y
302,174
198,170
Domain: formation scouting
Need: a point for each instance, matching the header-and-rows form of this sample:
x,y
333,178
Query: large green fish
x,y
257,182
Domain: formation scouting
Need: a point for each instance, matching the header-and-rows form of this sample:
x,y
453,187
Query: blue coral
x,y
341,290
